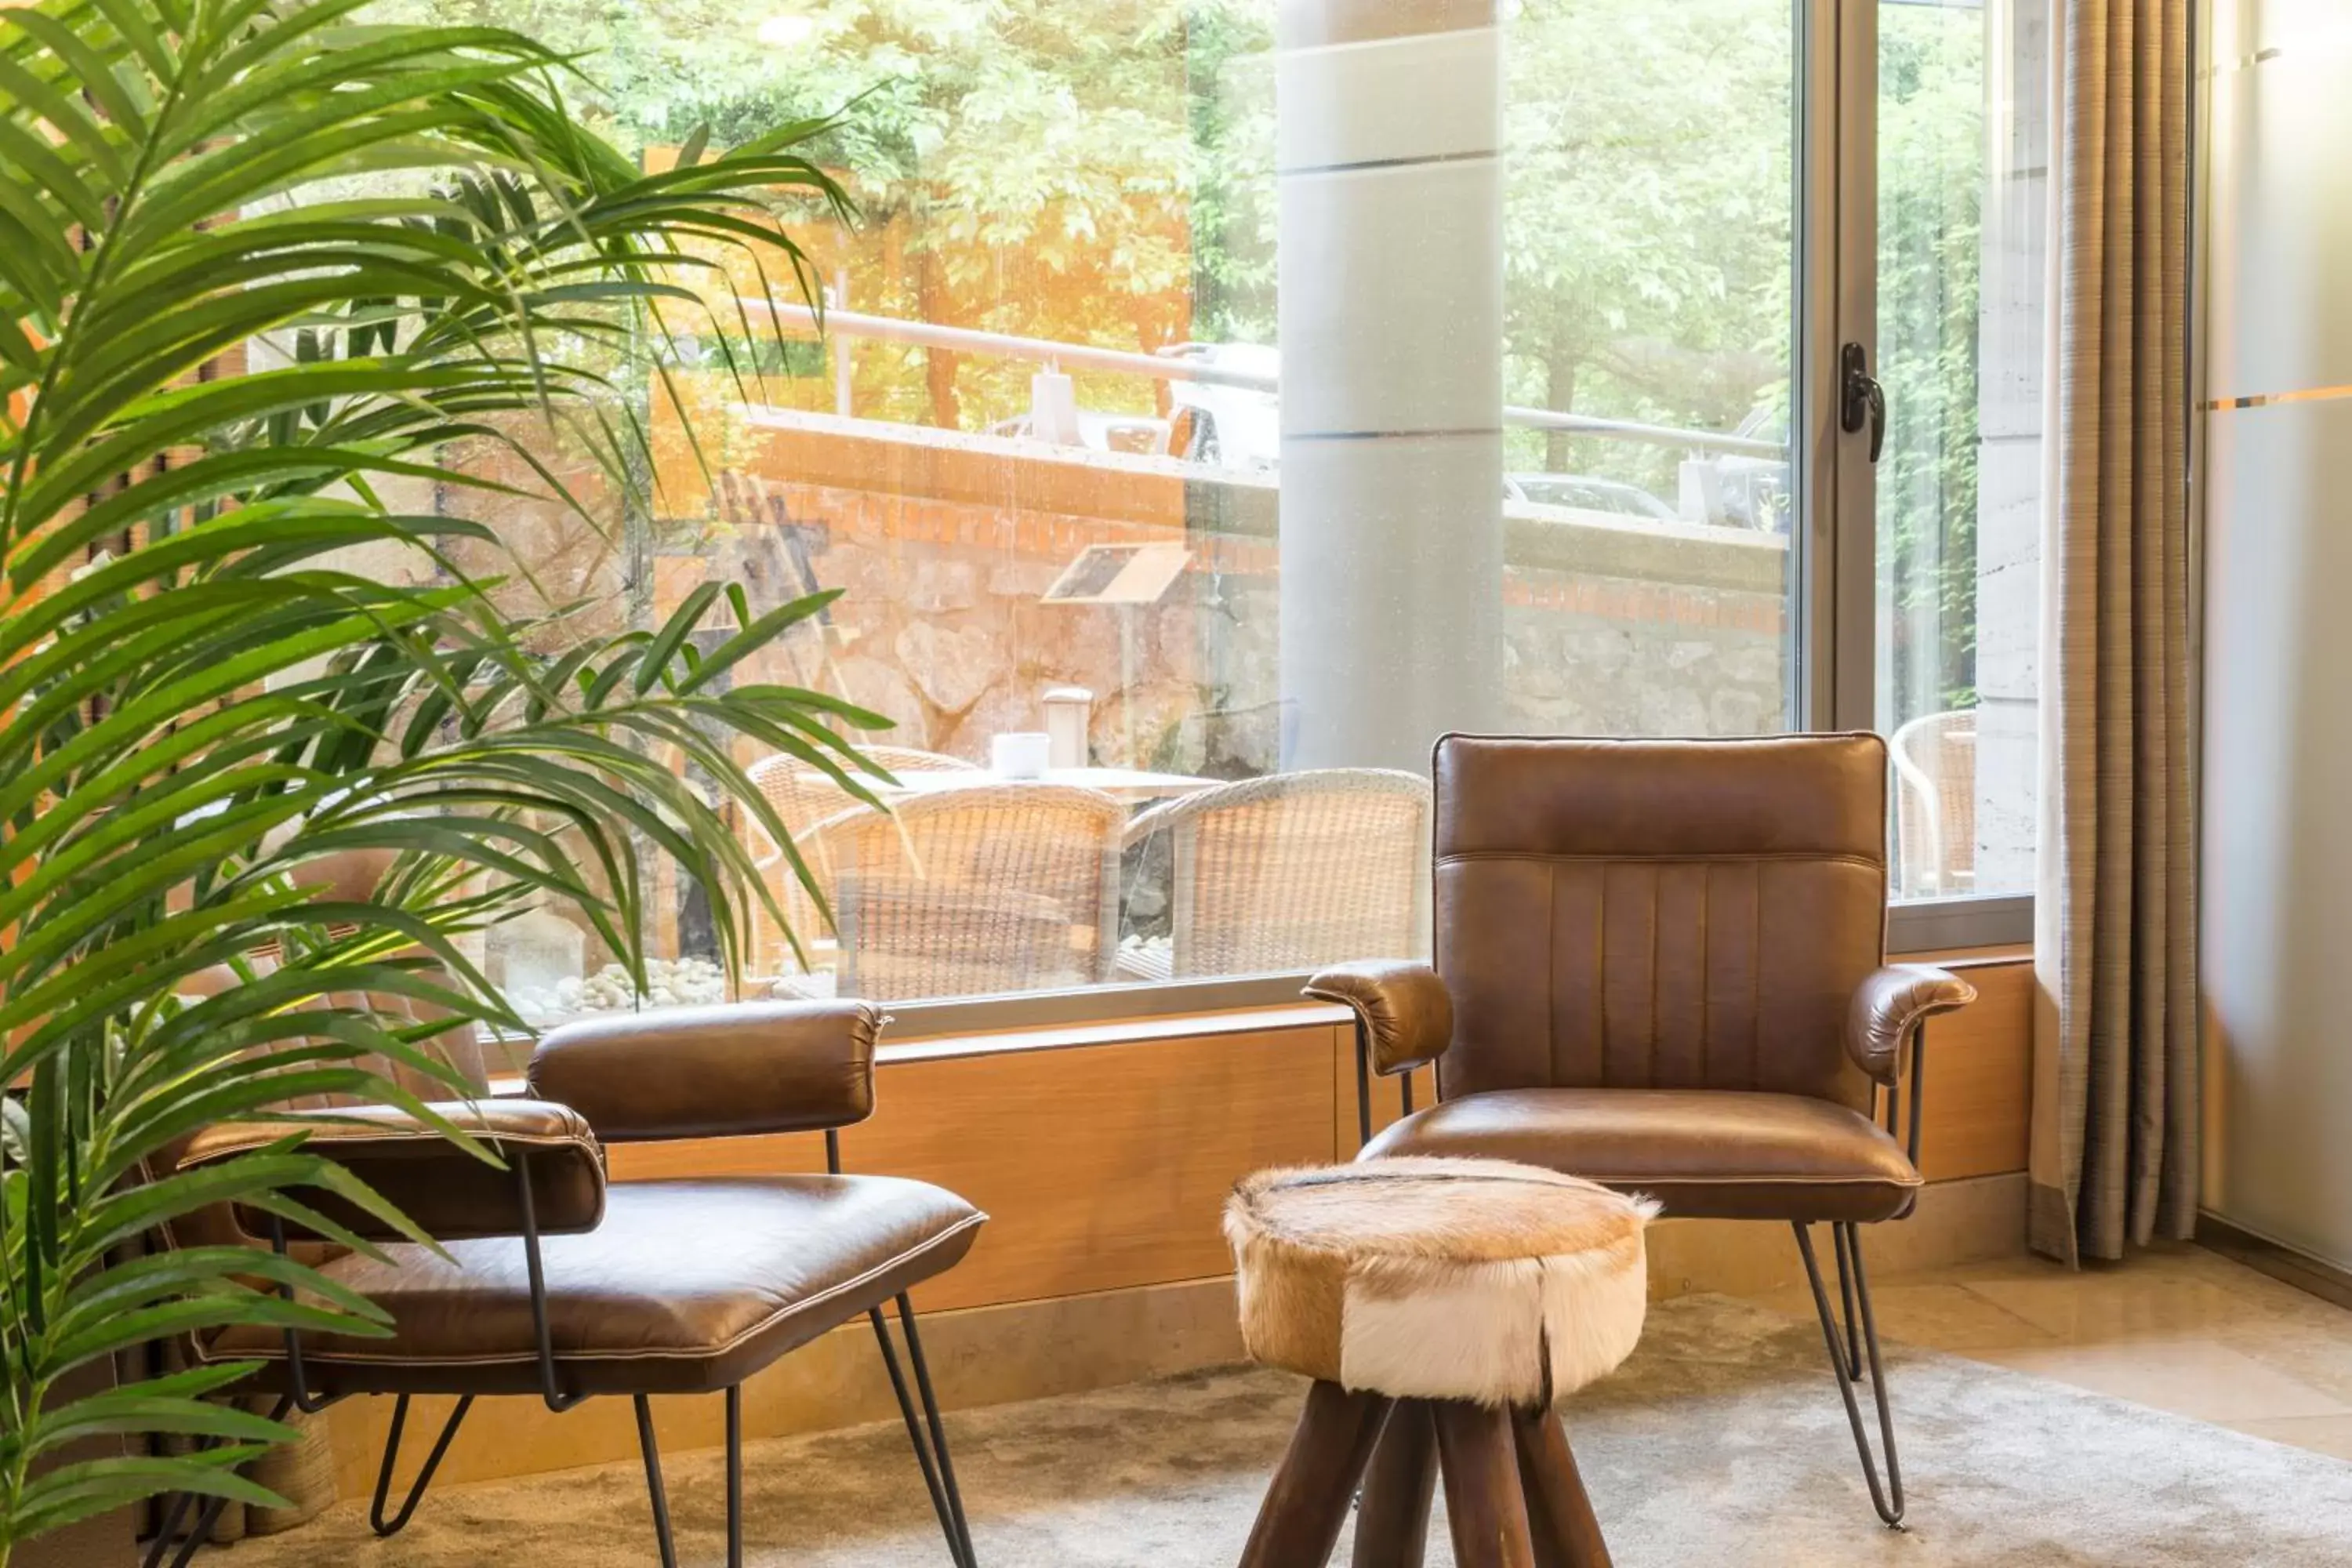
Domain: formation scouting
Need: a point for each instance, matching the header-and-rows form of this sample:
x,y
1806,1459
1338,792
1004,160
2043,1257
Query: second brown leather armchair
x,y
551,1282
1661,966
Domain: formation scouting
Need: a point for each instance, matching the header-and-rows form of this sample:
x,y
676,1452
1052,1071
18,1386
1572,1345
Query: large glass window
x,y
1964,164
1217,400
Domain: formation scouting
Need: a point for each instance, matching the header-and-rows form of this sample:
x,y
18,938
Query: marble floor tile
x,y
1931,1313
2318,1354
2110,1305
2174,1326
2329,1434
2201,1378
2275,1296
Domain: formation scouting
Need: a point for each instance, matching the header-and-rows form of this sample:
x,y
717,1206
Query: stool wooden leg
x,y
1392,1522
1483,1501
1559,1513
1299,1521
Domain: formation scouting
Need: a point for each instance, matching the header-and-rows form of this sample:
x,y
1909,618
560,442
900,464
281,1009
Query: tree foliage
x,y
1648,216
1105,173
1931,195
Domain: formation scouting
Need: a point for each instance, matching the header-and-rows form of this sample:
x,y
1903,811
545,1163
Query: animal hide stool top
x,y
1440,1279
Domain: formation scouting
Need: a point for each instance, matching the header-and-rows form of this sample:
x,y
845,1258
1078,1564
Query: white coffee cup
x,y
1021,755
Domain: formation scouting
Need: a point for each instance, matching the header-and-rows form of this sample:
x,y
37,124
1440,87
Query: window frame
x,y
1836,615
1832,619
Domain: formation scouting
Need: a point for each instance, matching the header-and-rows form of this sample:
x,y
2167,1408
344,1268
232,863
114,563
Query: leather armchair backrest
x,y
719,1071
1659,914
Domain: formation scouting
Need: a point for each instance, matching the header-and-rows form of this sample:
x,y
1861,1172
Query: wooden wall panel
x,y
1101,1167
1979,1078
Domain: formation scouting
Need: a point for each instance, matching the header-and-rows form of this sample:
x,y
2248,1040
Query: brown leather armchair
x,y
551,1282
1661,966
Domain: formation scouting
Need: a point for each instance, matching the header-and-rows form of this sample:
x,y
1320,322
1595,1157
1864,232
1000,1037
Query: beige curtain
x,y
2116,1113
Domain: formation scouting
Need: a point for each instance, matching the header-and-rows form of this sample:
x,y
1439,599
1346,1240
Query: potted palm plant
x,y
412,246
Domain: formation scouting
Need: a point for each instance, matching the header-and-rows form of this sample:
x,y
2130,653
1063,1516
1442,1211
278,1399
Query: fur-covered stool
x,y
1441,1306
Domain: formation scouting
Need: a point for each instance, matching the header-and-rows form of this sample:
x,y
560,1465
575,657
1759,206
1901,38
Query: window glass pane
x,y
1219,400
1963,178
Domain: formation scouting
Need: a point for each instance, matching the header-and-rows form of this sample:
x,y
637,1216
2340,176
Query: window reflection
x,y
1181,403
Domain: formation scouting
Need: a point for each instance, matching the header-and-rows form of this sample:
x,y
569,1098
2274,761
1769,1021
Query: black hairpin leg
x,y
938,1477
166,1528
207,1517
376,1521
201,1531
735,1476
1847,1245
914,1433
652,1452
1887,1499
939,1431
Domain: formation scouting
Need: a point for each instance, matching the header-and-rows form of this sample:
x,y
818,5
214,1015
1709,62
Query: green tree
x,y
1104,173
1648,217
1230,67
1930,200
1022,165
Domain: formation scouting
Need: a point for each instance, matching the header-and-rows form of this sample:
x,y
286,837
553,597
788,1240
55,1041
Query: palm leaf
x,y
218,703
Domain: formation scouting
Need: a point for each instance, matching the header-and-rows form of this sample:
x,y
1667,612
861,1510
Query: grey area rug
x,y
1721,1443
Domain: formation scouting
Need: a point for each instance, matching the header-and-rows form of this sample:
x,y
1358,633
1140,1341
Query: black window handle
x,y
1865,401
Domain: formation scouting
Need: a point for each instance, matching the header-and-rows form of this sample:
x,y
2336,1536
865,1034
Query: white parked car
x,y
1231,426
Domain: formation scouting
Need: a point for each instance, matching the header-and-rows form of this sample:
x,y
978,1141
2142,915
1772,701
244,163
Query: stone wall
x,y
1612,627
1590,655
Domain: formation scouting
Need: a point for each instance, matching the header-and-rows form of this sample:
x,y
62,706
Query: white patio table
x,y
1129,784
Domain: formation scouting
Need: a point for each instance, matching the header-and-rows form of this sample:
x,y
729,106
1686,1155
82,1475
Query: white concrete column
x,y
1389,151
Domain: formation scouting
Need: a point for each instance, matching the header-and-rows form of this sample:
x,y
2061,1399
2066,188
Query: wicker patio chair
x,y
1002,887
1290,871
803,797
1934,760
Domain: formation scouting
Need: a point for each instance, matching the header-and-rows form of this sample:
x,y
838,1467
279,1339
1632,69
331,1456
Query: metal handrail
x,y
1177,367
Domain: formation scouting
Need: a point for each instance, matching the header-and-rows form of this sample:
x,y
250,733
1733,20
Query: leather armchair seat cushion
x,y
686,1287
1702,1154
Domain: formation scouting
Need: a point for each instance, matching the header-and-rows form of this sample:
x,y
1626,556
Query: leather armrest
x,y
714,1072
1889,1005
451,1193
1404,1008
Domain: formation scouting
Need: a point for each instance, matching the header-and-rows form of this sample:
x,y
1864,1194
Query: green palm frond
x,y
219,698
